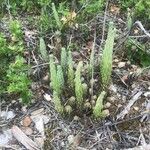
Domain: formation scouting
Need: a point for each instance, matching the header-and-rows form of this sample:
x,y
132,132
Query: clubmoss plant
x,y
57,102
106,63
56,16
64,59
43,50
78,85
60,78
70,72
53,75
97,109
129,21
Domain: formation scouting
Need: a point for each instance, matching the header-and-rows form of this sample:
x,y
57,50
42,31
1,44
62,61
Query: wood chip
x,y
23,139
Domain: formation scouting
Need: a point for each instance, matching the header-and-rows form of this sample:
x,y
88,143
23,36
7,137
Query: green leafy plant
x,y
18,81
137,53
139,7
106,63
15,29
12,64
90,7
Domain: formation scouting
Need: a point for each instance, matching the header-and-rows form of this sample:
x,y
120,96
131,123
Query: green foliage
x,y
15,29
97,110
3,45
12,65
18,79
137,53
43,50
91,7
140,8
78,85
106,64
70,72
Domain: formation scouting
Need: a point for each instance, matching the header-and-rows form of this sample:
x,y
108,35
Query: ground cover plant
x,y
76,73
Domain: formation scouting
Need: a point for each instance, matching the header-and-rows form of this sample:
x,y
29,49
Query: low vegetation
x,y
70,79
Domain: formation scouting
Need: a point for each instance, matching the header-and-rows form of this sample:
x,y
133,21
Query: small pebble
x,y
93,102
147,94
107,105
106,112
121,64
136,108
116,60
76,118
70,139
111,99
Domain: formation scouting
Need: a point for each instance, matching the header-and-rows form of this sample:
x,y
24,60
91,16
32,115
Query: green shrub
x,y
12,65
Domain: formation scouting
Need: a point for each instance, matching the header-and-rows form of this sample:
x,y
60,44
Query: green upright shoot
x,y
106,63
78,85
